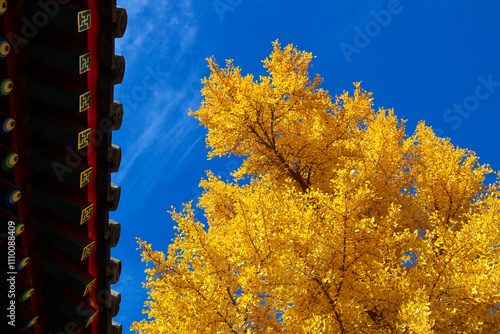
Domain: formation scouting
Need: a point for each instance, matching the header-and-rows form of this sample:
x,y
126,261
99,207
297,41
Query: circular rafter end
x,y
114,196
118,69
116,328
114,270
116,115
116,298
114,158
113,233
121,22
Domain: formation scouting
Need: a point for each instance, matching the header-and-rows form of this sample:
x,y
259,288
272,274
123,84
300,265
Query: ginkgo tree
x,y
336,221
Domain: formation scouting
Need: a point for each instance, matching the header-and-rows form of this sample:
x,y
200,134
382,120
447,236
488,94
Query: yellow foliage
x,y
317,241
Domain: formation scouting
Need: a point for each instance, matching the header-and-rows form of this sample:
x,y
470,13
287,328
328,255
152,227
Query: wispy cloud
x,y
167,131
156,27
158,90
156,106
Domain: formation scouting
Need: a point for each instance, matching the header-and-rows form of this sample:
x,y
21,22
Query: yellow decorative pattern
x,y
85,177
33,321
84,62
84,101
87,251
84,20
25,261
89,287
84,138
4,48
86,213
30,293
91,319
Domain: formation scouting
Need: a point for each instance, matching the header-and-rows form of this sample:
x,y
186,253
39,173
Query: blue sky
x,y
432,60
